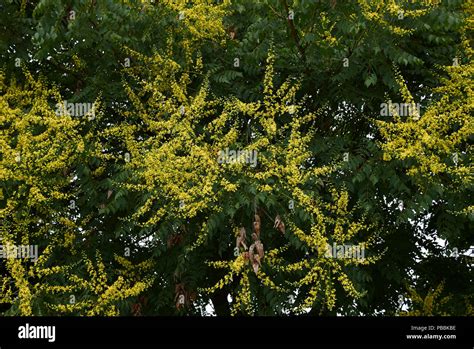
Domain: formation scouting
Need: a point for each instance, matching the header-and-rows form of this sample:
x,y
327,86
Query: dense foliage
x,y
188,157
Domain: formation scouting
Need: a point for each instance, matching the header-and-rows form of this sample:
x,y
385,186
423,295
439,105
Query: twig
x,y
294,33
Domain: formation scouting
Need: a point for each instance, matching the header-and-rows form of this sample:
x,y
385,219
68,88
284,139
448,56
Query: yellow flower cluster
x,y
95,295
436,140
378,10
285,162
431,305
39,147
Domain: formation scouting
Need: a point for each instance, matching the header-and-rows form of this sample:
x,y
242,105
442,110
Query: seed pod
x,y
256,225
279,224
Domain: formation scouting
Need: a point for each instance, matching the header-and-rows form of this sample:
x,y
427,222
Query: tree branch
x,y
294,33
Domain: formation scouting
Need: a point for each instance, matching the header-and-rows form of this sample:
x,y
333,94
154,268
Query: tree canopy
x,y
244,157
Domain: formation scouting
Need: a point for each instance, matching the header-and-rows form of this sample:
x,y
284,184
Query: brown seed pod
x,y
279,224
256,225
259,247
241,239
256,264
256,258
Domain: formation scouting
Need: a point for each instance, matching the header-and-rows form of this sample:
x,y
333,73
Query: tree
x,y
299,156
